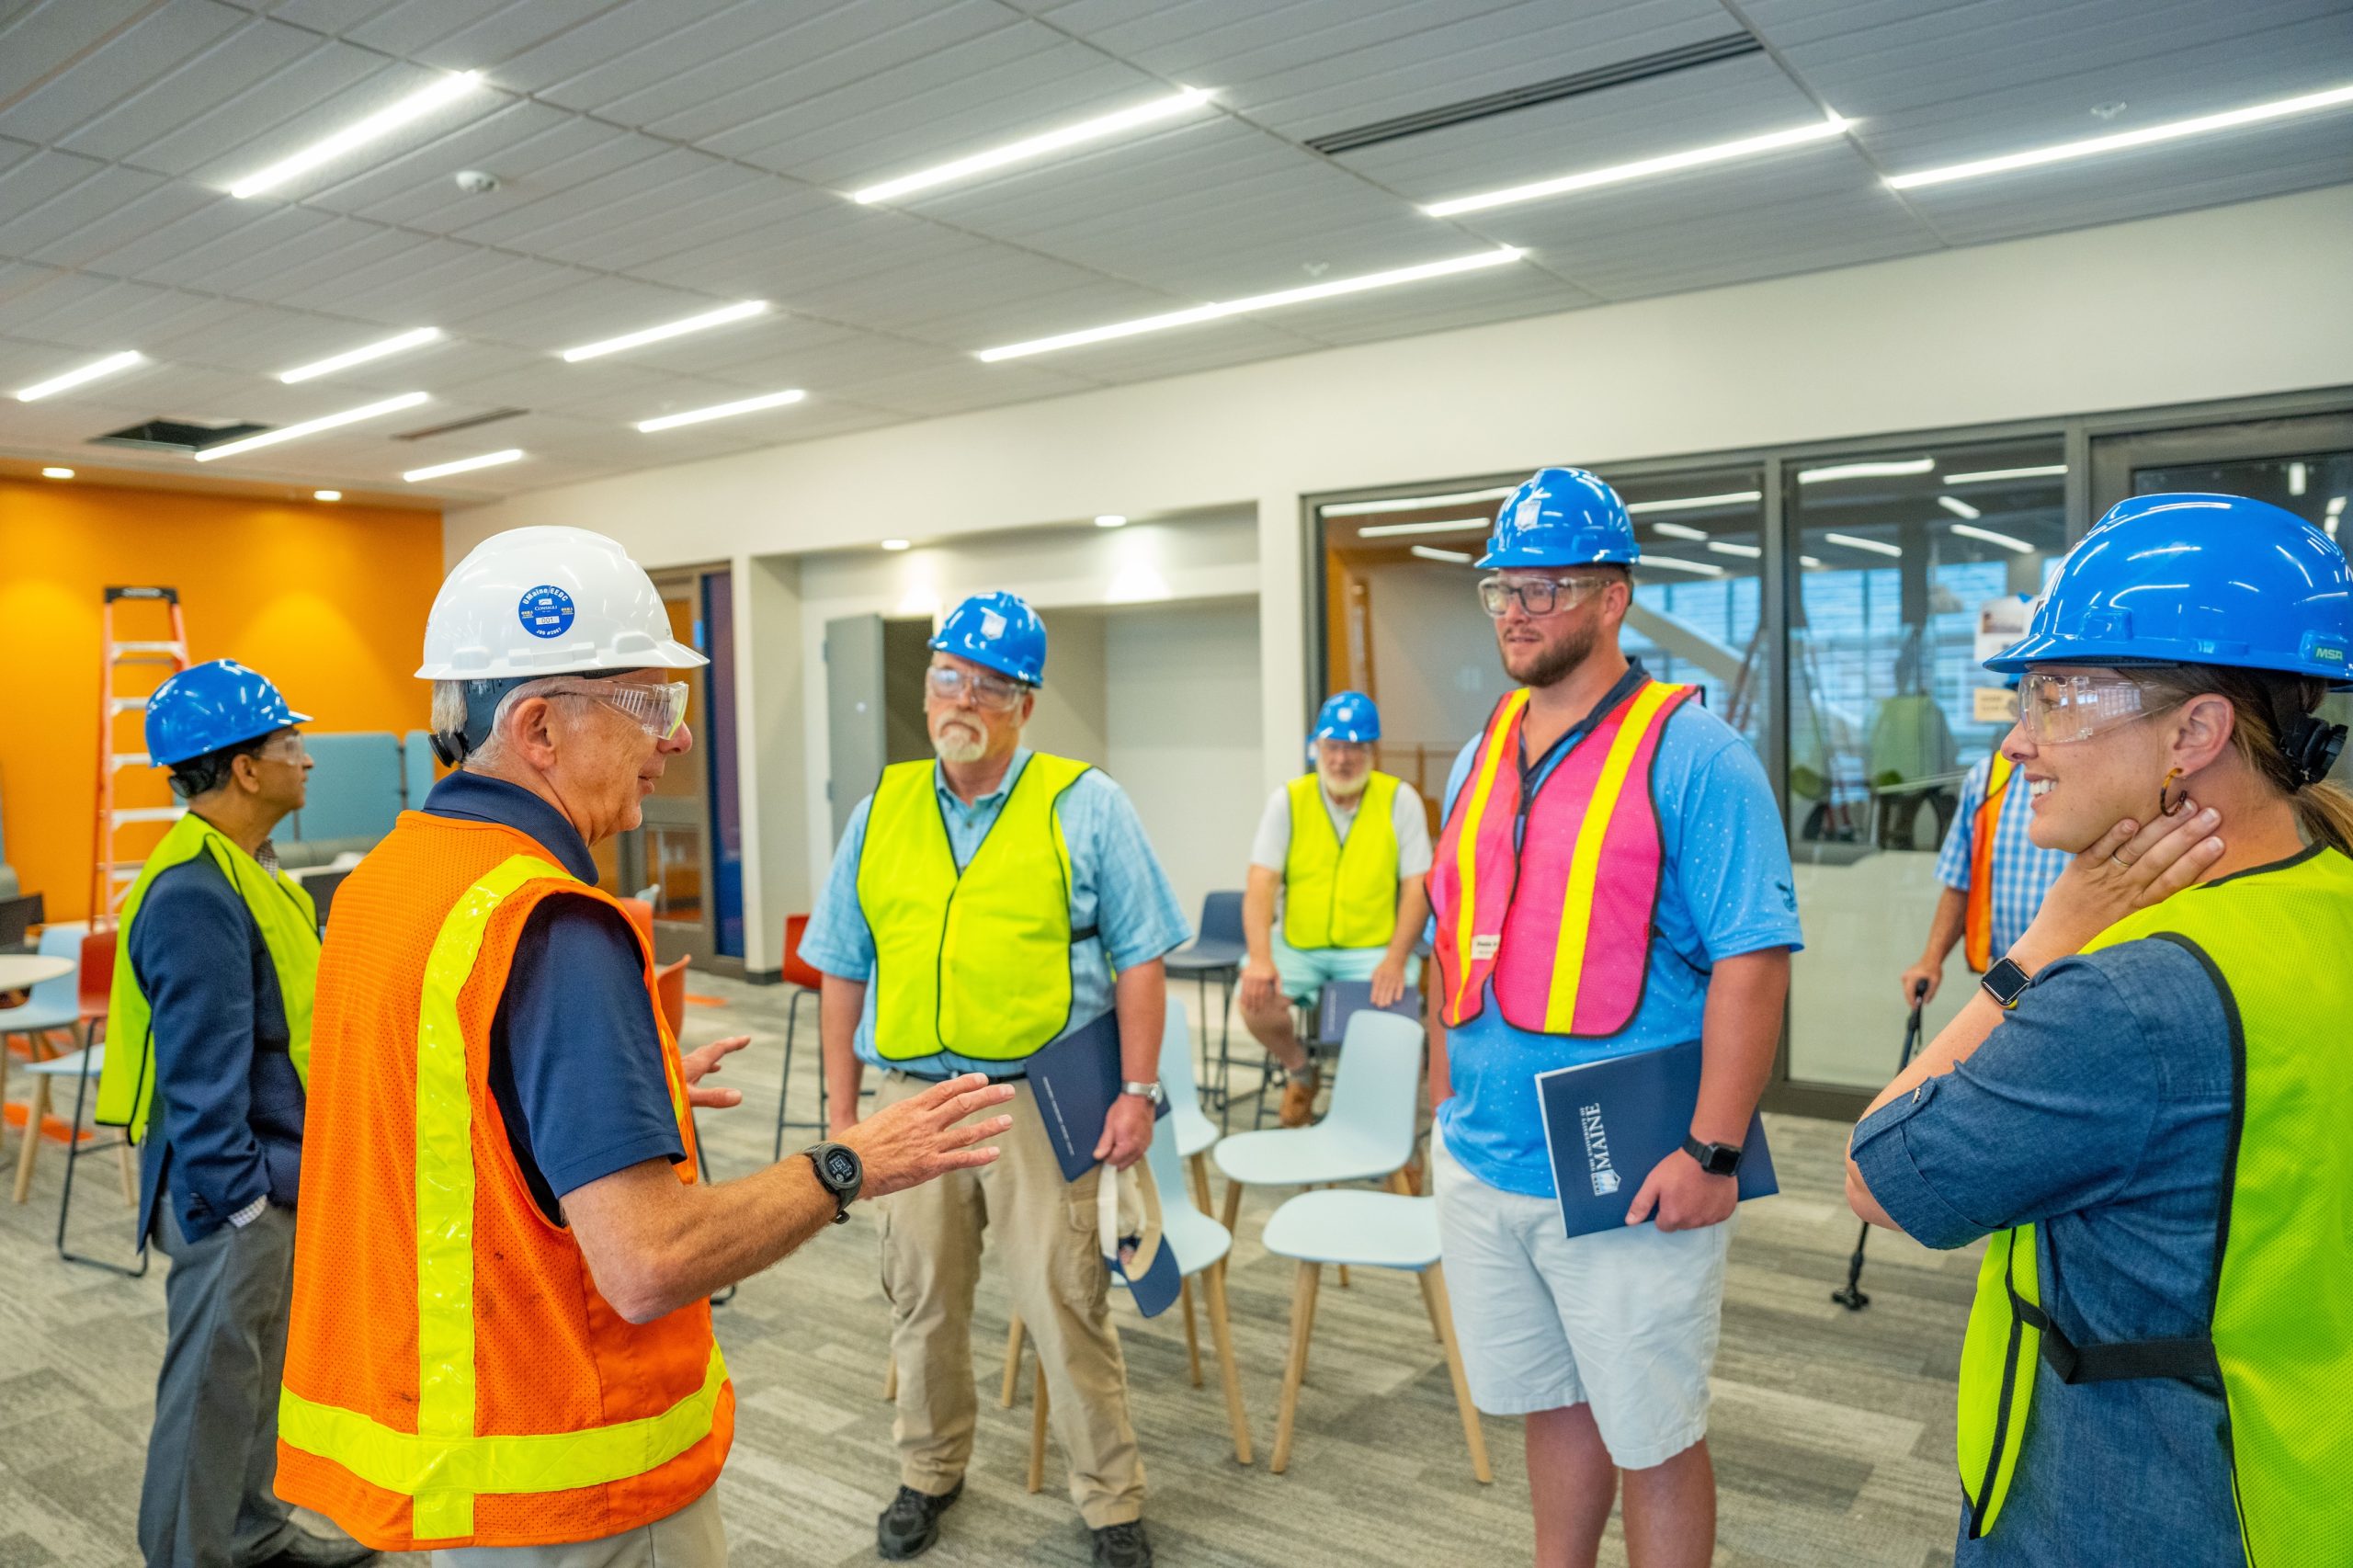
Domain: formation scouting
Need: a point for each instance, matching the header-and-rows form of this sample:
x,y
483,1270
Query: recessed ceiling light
x,y
312,426
1414,503
1678,530
2093,146
2295,479
383,122
1199,314
57,473
1996,476
89,372
1437,526
1958,507
2007,542
896,543
1697,503
719,317
1702,568
1037,146
2336,506
1726,547
1856,541
1110,520
1451,557
1619,173
326,495
464,465
722,409
417,339
1866,470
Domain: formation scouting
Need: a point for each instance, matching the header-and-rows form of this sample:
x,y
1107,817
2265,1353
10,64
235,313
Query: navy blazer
x,y
226,1127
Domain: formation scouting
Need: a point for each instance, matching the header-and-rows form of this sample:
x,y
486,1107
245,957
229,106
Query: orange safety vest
x,y
453,1376
1977,912
1556,909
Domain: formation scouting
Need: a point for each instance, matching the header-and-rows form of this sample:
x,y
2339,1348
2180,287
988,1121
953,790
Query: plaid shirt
x,y
2022,873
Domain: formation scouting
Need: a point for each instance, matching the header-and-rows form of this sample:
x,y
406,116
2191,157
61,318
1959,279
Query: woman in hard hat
x,y
2146,1105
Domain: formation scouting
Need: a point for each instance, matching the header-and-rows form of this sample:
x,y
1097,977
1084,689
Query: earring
x,y
2171,807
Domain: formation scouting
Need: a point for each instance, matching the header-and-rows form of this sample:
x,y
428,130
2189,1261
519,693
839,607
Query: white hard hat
x,y
548,601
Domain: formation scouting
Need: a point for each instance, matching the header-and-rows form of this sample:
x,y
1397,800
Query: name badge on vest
x,y
1486,947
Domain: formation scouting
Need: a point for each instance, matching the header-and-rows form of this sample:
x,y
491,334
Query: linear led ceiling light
x,y
1703,568
359,133
1619,173
1432,552
464,465
1696,503
2172,130
326,495
361,356
1726,547
1866,470
1437,526
719,317
1856,541
1958,507
1414,503
1996,476
89,372
57,473
1111,520
1199,314
1085,131
2007,542
312,426
1678,530
722,411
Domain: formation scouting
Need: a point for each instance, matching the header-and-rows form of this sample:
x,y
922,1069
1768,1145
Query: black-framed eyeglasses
x,y
1535,595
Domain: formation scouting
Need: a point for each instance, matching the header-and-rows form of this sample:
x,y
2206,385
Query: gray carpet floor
x,y
1833,1432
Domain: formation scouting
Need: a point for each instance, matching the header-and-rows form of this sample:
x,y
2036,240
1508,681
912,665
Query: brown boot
x,y
1299,1096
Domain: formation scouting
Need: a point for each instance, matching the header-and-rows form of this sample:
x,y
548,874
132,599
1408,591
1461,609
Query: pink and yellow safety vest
x,y
1557,909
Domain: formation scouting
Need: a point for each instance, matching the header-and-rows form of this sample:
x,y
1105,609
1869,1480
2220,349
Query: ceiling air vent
x,y
473,421
167,433
1665,62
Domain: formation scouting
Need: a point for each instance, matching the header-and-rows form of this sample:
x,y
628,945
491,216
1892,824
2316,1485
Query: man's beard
x,y
1556,663
1340,789
958,743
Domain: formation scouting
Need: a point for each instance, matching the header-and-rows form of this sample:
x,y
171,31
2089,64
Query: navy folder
x,y
1075,1079
1344,999
1609,1123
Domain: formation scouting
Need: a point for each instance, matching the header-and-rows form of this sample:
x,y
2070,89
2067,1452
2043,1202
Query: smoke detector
x,y
476,182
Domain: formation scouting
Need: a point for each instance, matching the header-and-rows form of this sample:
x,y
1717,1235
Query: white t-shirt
x,y
1271,847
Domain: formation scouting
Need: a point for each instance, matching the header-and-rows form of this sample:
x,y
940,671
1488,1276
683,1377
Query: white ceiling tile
x,y
612,35
43,40
131,65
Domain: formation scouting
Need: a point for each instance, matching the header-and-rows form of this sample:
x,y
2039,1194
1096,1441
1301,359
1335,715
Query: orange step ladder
x,y
115,863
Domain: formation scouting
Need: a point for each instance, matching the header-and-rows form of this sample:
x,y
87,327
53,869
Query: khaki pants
x,y
689,1538
1046,1235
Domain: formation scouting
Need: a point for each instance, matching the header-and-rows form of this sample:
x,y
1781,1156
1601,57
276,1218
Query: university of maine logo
x,y
1596,1151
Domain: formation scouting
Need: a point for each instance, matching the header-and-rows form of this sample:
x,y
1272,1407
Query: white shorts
x,y
1625,1320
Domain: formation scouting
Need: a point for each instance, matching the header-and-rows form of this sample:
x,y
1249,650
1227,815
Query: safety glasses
x,y
993,692
2054,708
1537,596
660,709
286,747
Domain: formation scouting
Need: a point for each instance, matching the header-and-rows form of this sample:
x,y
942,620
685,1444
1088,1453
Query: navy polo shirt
x,y
575,1061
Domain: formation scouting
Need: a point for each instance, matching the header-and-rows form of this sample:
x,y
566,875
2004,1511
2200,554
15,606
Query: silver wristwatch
x,y
1152,1091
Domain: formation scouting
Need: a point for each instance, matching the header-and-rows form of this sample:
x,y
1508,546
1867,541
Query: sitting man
x,y
1340,853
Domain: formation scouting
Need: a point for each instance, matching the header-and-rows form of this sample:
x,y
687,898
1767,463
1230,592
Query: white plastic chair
x,y
1194,1132
1367,1134
53,1007
1371,1230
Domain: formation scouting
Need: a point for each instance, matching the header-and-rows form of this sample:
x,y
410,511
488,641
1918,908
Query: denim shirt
x,y
2100,1111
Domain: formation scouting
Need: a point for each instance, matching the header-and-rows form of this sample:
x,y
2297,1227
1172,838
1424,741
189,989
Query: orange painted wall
x,y
327,600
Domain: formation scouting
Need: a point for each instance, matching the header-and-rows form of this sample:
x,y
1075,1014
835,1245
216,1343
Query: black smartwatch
x,y
2005,982
840,1173
1716,1159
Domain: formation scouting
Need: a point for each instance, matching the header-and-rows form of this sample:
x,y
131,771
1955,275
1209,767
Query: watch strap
x,y
2006,982
1151,1091
1716,1159
823,1160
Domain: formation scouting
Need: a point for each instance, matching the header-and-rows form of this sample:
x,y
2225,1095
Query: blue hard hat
x,y
1563,517
2196,580
1000,631
206,707
1347,716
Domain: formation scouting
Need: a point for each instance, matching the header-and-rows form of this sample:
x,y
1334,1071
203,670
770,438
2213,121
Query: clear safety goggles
x,y
659,709
2056,709
1537,596
994,692
287,748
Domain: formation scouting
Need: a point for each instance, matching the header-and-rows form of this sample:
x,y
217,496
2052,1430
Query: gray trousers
x,y
208,1499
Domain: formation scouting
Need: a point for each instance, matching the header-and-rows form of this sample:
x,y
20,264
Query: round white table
x,y
19,971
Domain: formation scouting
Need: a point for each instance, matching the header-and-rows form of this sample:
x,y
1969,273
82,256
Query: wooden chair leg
x,y
36,1113
890,1382
1232,1203
1442,1319
1038,1428
1011,1393
1199,1163
1192,1334
1343,1277
1303,1324
1429,1305
1221,1332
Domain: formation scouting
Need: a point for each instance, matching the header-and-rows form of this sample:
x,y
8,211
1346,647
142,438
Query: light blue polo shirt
x,y
1117,886
1724,889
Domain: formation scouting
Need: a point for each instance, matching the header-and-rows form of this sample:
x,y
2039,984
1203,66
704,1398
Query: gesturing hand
x,y
2131,867
908,1143
1686,1196
696,1064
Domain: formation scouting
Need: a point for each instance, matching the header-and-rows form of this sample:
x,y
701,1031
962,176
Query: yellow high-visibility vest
x,y
1336,893
976,960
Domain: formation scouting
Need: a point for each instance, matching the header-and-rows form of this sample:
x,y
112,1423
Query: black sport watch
x,y
840,1173
2006,982
1716,1159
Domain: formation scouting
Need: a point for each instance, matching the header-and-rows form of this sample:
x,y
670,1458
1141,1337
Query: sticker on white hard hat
x,y
546,611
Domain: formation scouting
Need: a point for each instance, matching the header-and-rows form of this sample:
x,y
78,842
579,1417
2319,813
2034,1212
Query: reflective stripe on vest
x,y
288,923
1555,909
1341,894
976,960
1977,909
2280,1332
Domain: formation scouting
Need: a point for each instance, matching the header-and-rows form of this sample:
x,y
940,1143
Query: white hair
x,y
450,704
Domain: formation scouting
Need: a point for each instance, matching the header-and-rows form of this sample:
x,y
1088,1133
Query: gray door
x,y
857,734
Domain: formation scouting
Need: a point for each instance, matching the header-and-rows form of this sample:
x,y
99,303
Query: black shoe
x,y
307,1550
910,1525
1123,1546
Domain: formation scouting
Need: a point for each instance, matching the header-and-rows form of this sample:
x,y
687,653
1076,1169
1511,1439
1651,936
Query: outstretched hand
x,y
695,1065
909,1142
